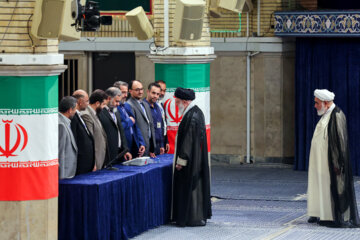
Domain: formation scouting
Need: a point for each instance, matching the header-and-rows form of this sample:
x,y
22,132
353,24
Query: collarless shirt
x,y
331,108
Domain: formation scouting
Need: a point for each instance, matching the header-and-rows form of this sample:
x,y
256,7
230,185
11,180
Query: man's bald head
x,y
136,89
79,94
82,99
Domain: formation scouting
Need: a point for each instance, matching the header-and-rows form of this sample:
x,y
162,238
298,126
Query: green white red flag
x,y
173,118
28,138
193,76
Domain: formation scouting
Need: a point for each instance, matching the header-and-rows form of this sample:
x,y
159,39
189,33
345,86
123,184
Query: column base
x,y
35,219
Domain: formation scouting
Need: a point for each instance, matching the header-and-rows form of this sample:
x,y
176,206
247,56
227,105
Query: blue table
x,y
115,204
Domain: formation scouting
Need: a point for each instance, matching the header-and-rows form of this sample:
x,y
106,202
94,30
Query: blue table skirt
x,y
115,204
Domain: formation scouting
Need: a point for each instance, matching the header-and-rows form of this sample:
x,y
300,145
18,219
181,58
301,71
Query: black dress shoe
x,y
197,223
313,220
330,224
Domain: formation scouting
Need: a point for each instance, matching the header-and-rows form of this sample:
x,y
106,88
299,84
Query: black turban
x,y
185,93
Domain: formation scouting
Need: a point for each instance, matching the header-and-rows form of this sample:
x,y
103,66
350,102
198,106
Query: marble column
x,y
29,165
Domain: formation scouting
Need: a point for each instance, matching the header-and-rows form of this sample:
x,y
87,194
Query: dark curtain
x,y
333,64
336,4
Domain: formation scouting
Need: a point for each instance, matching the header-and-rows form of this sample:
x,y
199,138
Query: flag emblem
x,y
174,116
20,133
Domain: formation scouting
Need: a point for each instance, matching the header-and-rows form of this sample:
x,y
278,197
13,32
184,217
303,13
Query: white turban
x,y
324,95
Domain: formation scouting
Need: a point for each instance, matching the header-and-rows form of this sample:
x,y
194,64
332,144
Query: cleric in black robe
x,y
341,177
191,181
331,196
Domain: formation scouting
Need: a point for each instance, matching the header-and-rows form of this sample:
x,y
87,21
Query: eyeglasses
x,y
138,89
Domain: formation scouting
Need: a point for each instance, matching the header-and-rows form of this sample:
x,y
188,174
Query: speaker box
x,y
140,24
188,22
52,19
236,5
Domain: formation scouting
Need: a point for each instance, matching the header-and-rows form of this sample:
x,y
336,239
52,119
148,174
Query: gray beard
x,y
111,108
181,109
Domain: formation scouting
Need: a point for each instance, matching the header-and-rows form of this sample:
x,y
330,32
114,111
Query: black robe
x,y
341,176
191,187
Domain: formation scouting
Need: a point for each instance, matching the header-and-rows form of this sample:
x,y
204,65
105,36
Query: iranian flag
x,y
28,138
193,76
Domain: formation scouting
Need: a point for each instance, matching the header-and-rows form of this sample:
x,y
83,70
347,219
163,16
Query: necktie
x,y
83,123
112,115
143,108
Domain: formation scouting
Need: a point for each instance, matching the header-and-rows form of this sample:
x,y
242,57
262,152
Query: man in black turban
x,y
191,180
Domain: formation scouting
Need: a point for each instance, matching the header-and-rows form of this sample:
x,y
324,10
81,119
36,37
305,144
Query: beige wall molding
x,y
38,70
181,51
268,44
182,59
31,59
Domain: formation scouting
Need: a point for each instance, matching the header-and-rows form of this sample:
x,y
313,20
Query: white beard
x,y
322,111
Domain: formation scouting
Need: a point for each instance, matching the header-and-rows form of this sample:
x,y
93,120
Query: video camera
x,y
87,18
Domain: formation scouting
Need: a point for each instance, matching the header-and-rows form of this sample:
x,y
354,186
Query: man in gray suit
x,y
67,144
89,115
143,117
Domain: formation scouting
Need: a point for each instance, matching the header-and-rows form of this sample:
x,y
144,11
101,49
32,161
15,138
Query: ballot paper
x,y
140,161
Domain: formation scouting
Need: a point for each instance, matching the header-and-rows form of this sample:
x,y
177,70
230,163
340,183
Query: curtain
x,y
333,64
336,4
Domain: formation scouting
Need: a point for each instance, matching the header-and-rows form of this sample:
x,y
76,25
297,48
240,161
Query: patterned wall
x,y
331,24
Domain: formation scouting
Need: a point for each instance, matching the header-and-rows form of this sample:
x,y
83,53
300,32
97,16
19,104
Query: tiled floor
x,y
260,201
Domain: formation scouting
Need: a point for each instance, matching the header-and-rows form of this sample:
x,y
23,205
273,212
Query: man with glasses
x,y
133,135
143,116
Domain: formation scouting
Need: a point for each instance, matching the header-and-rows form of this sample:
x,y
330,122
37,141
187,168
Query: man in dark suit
x,y
143,116
111,122
83,137
133,134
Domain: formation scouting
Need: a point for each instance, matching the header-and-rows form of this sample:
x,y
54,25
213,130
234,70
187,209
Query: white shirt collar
x,y
331,108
